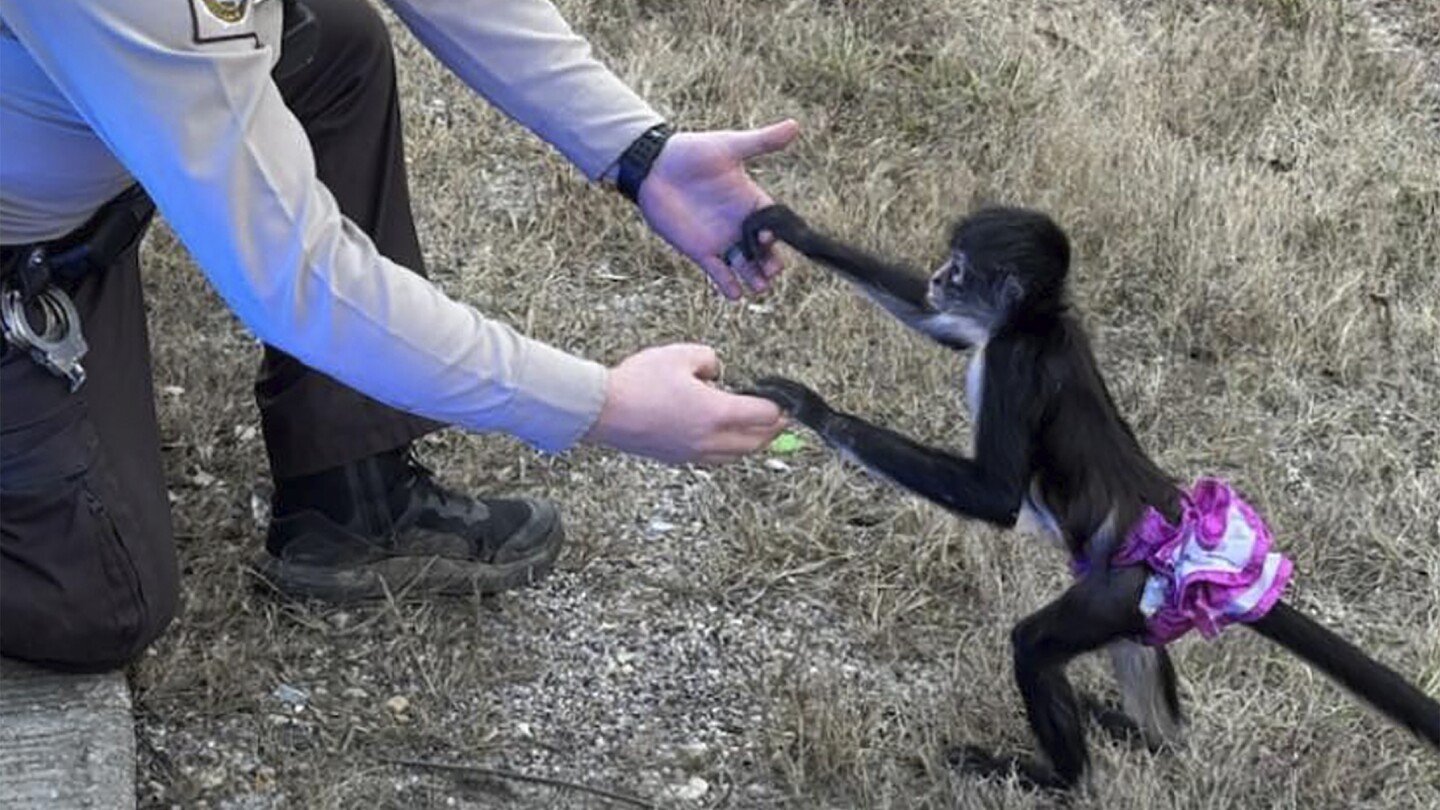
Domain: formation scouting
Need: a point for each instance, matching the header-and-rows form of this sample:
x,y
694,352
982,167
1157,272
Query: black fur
x,y
1047,432
1343,661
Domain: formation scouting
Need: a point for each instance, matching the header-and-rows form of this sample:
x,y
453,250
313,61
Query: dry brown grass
x,y
1252,189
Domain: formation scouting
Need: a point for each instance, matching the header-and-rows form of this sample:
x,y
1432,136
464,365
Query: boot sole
x,y
410,578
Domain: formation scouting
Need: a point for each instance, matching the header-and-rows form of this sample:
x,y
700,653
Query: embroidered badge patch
x,y
217,20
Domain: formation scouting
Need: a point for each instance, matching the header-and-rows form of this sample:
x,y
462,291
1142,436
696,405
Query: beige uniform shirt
x,y
177,95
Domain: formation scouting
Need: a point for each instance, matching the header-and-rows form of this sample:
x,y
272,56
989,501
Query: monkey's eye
x,y
957,271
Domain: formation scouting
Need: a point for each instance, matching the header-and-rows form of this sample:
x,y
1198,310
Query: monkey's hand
x,y
800,402
779,220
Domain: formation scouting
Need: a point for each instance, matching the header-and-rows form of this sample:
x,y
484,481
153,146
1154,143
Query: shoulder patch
x,y
220,20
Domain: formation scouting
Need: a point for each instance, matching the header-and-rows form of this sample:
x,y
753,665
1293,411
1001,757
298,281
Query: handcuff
x,y
58,344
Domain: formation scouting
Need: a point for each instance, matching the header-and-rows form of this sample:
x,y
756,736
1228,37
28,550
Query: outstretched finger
x,y
765,434
756,142
773,264
736,444
721,276
751,272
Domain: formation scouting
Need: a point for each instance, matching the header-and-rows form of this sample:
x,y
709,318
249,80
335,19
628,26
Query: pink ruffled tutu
x,y
1213,569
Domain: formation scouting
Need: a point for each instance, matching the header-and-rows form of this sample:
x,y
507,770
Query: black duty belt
x,y
33,279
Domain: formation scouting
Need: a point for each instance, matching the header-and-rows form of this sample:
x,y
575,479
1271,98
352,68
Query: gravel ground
x,y
637,671
1251,188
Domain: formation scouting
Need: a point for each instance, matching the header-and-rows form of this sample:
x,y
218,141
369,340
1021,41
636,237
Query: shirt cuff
x,y
558,397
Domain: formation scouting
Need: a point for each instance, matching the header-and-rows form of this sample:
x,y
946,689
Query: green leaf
x,y
786,443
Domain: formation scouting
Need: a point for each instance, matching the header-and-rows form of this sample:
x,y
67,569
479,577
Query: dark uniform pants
x,y
87,559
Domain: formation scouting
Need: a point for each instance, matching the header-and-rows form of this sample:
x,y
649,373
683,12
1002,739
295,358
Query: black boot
x,y
383,524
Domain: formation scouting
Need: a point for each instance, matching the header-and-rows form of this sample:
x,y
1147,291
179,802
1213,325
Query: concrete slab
x,y
66,741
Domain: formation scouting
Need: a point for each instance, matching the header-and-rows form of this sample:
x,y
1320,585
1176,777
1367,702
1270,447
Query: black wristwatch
x,y
634,164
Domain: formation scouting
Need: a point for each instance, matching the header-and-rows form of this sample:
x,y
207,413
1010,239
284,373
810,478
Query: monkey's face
x,y
1002,261
980,295
946,282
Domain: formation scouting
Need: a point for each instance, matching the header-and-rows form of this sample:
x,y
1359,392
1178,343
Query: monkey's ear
x,y
1011,292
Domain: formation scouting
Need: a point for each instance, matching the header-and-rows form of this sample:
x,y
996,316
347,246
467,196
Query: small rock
x,y
211,778
398,704
260,510
291,696
693,754
264,778
692,790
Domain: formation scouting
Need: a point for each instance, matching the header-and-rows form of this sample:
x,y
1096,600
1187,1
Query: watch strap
x,y
635,162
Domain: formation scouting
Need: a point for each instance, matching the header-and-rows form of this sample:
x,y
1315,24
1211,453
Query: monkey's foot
x,y
1119,726
1114,721
1031,775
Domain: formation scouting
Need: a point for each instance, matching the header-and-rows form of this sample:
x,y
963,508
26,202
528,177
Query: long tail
x,y
1356,671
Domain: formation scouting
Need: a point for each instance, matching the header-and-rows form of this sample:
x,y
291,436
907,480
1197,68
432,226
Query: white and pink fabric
x,y
1212,569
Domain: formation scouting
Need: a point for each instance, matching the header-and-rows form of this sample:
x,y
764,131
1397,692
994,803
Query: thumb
x,y
756,142
702,360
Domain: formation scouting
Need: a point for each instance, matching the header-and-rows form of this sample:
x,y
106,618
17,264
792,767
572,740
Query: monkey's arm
x,y
901,292
989,487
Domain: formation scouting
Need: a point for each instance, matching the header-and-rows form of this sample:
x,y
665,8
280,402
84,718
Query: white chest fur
x,y
1034,518
975,382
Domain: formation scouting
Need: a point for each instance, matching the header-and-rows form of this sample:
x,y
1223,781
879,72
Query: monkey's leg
x,y
1149,689
1094,612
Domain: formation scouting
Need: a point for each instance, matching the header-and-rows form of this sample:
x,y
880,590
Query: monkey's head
x,y
1003,262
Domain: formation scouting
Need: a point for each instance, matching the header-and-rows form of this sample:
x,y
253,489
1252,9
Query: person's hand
x,y
659,403
697,194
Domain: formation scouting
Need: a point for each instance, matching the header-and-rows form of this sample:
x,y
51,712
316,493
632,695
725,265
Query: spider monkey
x,y
1050,450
